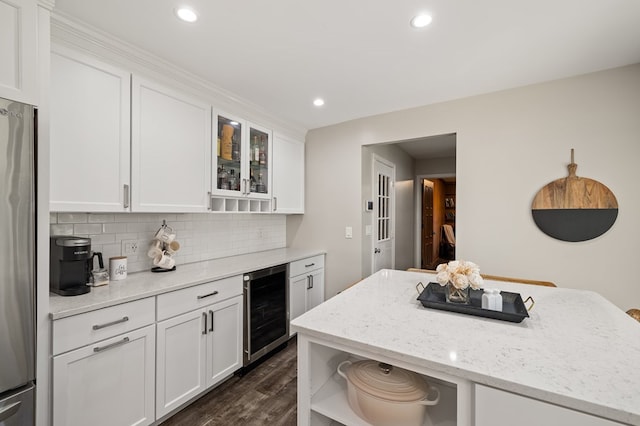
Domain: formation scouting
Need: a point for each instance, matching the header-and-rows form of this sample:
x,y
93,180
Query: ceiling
x,y
362,56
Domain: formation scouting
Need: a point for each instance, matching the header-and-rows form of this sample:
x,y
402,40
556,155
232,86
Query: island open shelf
x,y
328,391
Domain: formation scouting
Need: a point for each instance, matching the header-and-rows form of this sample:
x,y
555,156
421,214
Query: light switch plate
x,y
367,230
348,232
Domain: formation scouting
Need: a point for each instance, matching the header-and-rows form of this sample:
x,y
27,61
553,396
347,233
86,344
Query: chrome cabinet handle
x,y
275,203
208,295
210,203
204,317
127,196
99,326
112,345
211,320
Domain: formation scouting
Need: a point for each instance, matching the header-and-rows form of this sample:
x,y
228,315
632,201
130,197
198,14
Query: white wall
x,y
509,145
436,166
404,212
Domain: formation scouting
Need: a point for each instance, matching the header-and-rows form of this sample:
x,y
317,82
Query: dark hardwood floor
x,y
266,395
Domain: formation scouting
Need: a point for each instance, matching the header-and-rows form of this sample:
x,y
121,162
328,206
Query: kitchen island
x,y
574,361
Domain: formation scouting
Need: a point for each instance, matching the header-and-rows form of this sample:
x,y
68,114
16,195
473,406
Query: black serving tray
x,y
513,308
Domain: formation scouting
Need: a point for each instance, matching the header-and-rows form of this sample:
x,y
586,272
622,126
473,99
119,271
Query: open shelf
x,y
239,205
329,402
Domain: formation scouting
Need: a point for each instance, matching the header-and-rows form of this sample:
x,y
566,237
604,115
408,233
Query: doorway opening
x,y
437,221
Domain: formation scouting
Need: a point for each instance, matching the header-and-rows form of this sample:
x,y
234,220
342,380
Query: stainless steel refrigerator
x,y
17,260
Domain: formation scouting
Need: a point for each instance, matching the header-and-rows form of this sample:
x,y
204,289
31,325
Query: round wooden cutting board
x,y
574,208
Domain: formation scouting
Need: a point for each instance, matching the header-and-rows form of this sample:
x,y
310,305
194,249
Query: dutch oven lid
x,y
387,382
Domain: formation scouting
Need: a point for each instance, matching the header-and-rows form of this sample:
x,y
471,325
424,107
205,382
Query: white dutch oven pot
x,y
385,395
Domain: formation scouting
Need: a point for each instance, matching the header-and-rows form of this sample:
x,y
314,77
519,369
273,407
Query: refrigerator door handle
x,y
9,410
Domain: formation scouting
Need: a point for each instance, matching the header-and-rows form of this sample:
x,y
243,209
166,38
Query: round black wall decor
x,y
574,208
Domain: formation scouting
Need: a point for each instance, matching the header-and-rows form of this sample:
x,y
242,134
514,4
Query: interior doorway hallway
x,y
435,210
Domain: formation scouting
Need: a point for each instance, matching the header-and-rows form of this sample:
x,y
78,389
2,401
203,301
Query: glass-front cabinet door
x,y
242,160
259,161
229,165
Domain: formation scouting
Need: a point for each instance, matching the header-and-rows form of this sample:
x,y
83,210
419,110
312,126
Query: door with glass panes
x,y
384,173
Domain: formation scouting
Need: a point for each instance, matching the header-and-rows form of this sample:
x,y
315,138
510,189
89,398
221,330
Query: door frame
x,y
417,260
392,228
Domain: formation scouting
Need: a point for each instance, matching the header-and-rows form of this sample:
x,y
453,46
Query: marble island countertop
x,y
146,284
576,349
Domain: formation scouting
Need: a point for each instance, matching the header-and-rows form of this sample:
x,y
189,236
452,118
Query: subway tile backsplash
x,y
201,236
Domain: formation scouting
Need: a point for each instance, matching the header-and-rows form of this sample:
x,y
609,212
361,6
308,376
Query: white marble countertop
x,y
576,349
145,284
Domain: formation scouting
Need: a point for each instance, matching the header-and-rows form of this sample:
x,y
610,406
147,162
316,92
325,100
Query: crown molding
x,y
68,31
47,4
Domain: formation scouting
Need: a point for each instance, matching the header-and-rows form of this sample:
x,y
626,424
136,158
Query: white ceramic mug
x,y
165,234
117,268
164,261
173,247
155,249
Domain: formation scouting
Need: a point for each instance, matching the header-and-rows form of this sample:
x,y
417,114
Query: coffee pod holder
x,y
162,248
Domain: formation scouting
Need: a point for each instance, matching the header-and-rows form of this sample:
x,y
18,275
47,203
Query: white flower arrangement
x,y
460,273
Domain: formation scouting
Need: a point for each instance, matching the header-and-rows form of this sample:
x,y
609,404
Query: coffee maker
x,y
70,266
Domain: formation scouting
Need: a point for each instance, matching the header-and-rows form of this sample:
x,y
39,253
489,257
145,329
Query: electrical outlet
x,y
129,247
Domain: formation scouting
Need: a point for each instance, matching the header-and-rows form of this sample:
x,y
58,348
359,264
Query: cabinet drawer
x,y
306,265
188,299
79,330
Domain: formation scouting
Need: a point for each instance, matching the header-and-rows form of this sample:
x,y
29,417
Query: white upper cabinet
x,y
18,44
288,175
242,163
90,142
170,149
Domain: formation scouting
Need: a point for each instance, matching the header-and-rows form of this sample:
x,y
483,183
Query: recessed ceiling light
x,y
186,14
421,21
318,102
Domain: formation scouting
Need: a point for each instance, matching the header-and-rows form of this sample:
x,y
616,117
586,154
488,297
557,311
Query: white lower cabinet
x,y
306,285
196,350
494,407
106,383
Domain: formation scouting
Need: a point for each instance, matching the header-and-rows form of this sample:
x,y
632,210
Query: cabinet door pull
x,y
126,196
309,265
210,203
99,326
211,320
311,279
309,282
208,295
275,203
204,317
112,345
